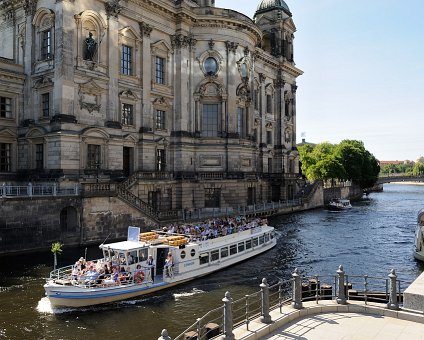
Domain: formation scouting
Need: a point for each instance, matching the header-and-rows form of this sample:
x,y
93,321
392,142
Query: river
x,y
376,235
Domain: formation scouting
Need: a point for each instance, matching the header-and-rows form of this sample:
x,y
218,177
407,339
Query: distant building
x,y
195,105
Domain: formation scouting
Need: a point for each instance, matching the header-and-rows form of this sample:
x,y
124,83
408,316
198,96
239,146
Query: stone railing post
x,y
297,290
4,190
265,317
164,335
228,317
29,189
54,189
393,301
341,297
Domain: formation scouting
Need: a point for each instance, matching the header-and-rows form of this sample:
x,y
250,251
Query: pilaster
x,y
114,56
63,91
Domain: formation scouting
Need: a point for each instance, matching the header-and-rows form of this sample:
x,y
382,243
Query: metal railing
x,y
339,287
31,190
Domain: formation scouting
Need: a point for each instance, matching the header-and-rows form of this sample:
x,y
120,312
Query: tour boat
x,y
419,237
192,257
338,204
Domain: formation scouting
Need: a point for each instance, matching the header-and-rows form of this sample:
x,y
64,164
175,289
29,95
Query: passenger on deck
x,y
151,266
169,263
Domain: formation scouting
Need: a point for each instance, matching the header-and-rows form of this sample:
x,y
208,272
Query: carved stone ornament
x,y
245,67
90,96
243,92
262,78
160,101
145,29
211,89
211,44
113,8
30,7
42,82
287,135
294,88
268,125
182,41
231,46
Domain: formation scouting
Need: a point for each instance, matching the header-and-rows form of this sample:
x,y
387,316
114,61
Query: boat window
x,y
241,246
204,258
214,255
132,257
142,254
192,253
261,239
224,252
183,254
255,241
233,249
272,235
248,244
266,237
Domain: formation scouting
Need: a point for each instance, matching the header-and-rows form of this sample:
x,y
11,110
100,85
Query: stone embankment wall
x,y
353,192
34,224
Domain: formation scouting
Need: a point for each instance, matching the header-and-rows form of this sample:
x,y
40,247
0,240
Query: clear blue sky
x,y
364,72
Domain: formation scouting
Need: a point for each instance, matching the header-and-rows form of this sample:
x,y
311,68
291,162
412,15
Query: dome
x,y
269,5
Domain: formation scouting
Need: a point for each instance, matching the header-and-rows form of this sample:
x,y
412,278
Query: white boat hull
x,y
76,296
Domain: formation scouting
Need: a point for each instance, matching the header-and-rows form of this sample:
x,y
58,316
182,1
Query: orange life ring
x,y
139,277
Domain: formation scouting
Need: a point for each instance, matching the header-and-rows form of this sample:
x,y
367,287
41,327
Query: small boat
x,y
338,204
419,237
192,256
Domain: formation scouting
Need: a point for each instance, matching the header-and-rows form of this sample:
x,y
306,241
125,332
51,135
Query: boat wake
x,y
178,296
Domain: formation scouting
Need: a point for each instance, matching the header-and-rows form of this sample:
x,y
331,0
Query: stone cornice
x,y
291,69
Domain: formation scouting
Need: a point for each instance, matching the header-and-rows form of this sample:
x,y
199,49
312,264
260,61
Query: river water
x,y
377,234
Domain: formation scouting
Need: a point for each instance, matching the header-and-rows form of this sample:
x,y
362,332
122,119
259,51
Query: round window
x,y
193,252
211,66
183,254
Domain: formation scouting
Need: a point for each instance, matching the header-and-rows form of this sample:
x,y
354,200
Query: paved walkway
x,y
349,326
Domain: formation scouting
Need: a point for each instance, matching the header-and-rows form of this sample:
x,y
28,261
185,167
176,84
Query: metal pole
x,y
393,301
265,318
297,290
228,317
341,297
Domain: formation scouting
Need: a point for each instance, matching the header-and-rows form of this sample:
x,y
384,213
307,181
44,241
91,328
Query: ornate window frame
x,y
43,86
130,38
43,21
210,54
128,97
163,50
161,103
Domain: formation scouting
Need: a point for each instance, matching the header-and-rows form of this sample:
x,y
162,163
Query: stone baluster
x,y
164,335
341,297
297,290
393,301
265,318
228,317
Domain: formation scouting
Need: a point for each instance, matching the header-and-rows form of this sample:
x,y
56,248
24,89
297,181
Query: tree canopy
x,y
348,160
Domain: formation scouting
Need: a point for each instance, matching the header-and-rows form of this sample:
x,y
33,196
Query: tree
x,y
348,160
418,169
56,249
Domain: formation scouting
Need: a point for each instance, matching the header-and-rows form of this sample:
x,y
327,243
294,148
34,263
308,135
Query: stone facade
x,y
115,90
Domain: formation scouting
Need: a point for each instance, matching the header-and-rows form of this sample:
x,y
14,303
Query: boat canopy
x,y
123,246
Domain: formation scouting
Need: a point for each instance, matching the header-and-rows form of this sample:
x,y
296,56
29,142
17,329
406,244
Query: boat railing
x,y
67,278
295,291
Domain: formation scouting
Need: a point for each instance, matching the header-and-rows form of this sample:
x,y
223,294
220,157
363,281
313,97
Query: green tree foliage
x,y
388,169
418,169
56,249
348,160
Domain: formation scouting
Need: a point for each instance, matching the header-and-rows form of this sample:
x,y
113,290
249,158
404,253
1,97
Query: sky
x,y
363,64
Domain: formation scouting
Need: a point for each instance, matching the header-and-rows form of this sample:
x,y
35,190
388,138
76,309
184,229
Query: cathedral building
x,y
179,103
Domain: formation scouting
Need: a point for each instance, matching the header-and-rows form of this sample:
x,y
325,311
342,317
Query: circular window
x,y
183,254
193,252
211,66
